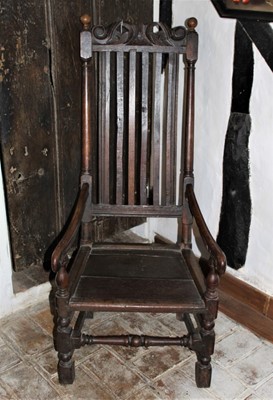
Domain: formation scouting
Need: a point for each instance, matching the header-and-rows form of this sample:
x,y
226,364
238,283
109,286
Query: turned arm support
x,y
66,241
216,253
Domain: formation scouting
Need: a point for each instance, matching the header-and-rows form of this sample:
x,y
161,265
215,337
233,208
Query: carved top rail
x,y
155,34
148,35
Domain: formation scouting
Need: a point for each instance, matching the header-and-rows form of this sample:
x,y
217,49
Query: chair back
x,y
133,148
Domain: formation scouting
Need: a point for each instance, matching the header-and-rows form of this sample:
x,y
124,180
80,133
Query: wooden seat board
x,y
136,281
136,266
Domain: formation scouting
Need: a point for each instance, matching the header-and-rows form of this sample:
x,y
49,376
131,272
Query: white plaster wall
x,y
213,101
5,261
9,302
259,263
213,94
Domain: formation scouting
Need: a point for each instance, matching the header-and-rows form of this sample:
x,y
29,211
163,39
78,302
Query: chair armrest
x,y
70,233
213,248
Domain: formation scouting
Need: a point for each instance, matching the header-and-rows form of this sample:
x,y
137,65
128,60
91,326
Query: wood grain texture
x,y
244,292
64,23
132,129
270,308
247,305
157,63
247,316
157,281
41,117
27,131
145,139
108,11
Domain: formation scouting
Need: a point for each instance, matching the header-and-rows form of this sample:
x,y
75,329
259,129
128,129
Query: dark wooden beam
x,y
261,34
108,11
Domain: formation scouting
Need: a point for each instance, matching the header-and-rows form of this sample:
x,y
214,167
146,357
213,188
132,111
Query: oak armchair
x,y
131,86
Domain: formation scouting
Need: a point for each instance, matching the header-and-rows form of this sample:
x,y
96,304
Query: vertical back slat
x,y
113,127
169,132
104,132
164,152
120,129
132,129
173,138
144,125
157,64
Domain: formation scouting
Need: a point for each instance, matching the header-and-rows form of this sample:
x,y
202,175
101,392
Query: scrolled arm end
x,y
221,263
59,254
57,258
54,262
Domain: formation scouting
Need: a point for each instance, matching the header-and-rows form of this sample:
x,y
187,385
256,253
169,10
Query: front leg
x,y
63,342
203,368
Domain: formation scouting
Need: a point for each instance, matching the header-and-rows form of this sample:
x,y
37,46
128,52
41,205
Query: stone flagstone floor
x,y
242,363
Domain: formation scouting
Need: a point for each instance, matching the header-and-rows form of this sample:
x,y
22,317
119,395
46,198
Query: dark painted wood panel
x,y
108,11
40,115
27,138
64,27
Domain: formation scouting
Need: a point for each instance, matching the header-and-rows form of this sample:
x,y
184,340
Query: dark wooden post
x,y
191,58
86,174
188,156
86,54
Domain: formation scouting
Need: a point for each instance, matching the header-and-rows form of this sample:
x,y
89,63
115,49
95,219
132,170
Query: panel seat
x,y
146,279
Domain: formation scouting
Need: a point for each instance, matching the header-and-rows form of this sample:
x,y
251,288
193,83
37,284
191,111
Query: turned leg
x,y
203,372
63,342
203,368
66,366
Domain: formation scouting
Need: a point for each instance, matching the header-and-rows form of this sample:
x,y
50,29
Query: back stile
x,y
86,119
145,127
132,129
157,64
189,120
104,127
120,129
191,58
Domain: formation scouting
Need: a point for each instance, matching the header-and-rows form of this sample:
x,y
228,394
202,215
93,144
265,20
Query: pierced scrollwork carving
x,y
161,34
117,33
121,32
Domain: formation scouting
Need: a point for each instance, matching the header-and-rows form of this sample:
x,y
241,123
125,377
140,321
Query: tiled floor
x,y
242,366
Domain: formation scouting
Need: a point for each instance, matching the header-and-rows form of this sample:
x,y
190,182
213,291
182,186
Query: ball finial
x,y
191,23
86,21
